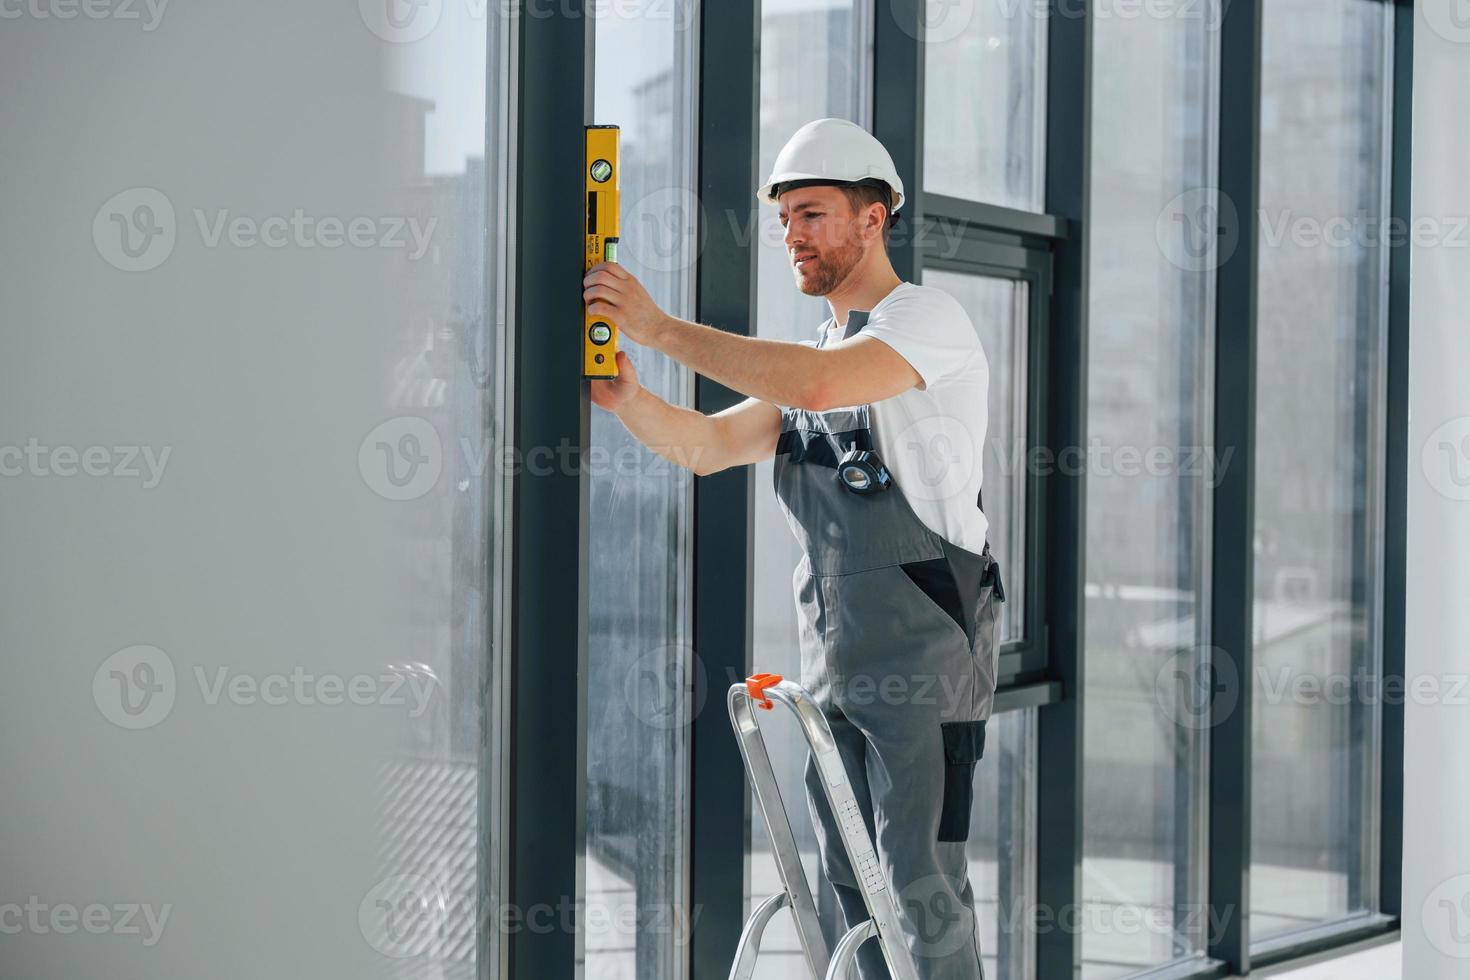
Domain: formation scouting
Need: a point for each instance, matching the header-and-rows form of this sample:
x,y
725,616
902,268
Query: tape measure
x,y
863,473
603,172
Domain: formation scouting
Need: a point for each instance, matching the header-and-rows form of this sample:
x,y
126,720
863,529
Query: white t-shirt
x,y
932,437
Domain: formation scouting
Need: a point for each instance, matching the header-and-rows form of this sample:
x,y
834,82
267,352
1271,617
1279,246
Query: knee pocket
x,y
964,744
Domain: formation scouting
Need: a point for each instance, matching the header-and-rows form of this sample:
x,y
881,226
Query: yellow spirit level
x,y
604,173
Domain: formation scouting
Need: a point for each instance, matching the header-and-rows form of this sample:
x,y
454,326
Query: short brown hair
x,y
859,196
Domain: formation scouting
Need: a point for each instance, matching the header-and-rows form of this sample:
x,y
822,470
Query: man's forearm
x,y
776,371
682,436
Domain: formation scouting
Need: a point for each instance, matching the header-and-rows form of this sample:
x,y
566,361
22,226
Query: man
x,y
877,430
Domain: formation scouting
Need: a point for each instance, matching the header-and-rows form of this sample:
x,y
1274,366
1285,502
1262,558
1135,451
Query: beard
x,y
828,270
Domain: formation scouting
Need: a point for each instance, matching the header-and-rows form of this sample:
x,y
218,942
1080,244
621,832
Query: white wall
x,y
259,549
1437,764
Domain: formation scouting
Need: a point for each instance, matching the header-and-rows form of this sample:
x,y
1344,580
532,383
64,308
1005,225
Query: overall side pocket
x,y
964,744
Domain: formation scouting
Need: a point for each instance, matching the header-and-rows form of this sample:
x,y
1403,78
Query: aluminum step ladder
x,y
761,691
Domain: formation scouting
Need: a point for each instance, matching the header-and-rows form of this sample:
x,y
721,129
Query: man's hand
x,y
617,392
610,290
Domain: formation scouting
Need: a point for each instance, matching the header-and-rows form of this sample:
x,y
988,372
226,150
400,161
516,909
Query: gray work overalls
x,y
898,649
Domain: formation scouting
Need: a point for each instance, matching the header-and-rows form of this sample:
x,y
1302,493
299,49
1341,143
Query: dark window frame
x,y
992,252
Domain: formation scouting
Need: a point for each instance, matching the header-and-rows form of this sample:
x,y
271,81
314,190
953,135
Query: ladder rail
x,y
750,936
845,954
872,882
783,841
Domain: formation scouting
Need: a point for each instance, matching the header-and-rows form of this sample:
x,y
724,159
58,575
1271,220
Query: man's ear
x,y
882,218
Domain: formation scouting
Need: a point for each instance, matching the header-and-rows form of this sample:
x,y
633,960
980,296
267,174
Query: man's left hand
x,y
610,290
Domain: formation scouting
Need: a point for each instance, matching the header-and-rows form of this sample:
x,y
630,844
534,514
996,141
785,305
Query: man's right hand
x,y
614,394
704,444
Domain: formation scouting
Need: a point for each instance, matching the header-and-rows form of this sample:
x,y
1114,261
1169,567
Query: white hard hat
x,y
831,151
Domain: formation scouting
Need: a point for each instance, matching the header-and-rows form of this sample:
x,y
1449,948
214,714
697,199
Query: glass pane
x,y
1002,848
637,744
811,56
1319,451
999,309
1150,394
813,64
448,306
985,101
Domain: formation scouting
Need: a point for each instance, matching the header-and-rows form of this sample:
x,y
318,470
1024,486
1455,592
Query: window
x,y
1002,866
445,371
1000,312
639,659
813,64
985,102
1002,848
1150,395
1319,472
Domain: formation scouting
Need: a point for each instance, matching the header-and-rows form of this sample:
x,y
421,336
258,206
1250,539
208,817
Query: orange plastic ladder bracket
x,y
755,686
